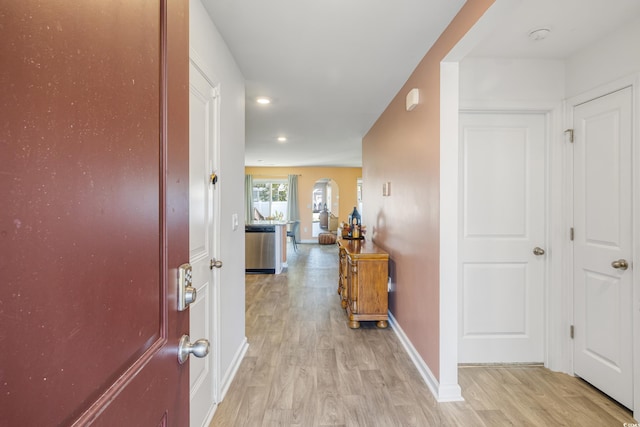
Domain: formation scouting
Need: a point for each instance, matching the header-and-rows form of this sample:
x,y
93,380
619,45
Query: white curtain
x,y
292,203
248,199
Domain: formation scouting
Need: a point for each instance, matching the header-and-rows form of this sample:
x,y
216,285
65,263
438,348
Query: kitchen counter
x,y
267,222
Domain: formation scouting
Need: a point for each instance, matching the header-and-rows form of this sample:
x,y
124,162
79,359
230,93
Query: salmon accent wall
x,y
346,178
403,147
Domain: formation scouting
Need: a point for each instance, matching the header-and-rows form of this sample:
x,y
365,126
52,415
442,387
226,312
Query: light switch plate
x,y
234,221
386,189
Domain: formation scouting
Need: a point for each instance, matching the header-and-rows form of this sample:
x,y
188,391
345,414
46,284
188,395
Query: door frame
x,y
549,114
554,301
555,296
214,356
632,81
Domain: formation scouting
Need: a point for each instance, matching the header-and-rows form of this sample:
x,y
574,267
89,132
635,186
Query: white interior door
x,y
203,223
603,235
503,220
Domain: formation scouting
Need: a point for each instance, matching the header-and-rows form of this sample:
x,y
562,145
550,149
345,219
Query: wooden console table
x,y
362,283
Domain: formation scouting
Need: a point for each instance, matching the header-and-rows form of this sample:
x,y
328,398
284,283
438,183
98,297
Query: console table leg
x,y
354,324
382,324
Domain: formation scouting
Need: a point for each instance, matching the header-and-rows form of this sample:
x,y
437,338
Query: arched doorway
x,y
325,200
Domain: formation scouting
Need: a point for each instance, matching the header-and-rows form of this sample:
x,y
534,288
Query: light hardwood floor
x,y
306,368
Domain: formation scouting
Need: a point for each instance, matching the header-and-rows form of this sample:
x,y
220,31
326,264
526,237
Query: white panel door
x,y
203,113
503,219
602,223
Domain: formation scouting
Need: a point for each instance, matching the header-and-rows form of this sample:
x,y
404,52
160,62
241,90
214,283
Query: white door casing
x,y
203,246
503,182
603,233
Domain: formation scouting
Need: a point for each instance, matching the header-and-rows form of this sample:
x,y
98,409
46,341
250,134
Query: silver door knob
x,y
620,264
214,263
538,251
200,348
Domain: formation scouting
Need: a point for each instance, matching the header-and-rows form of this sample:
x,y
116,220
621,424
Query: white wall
x,y
611,58
213,53
510,83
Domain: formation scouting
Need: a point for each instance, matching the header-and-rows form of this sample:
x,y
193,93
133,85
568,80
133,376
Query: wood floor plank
x,y
495,417
380,411
277,418
305,404
459,414
253,407
412,416
330,409
306,368
282,386
358,414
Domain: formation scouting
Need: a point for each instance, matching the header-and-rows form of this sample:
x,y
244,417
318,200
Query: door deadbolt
x,y
187,294
200,348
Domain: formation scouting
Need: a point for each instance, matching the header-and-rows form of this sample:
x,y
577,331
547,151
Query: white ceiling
x,y
331,67
574,25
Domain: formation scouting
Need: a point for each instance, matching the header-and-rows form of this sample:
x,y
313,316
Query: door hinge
x,y
570,132
571,234
571,331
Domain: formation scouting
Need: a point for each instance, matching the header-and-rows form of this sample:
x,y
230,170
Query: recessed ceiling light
x,y
538,34
263,100
282,139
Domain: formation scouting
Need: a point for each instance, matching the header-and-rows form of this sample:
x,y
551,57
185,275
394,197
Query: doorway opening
x,y
325,202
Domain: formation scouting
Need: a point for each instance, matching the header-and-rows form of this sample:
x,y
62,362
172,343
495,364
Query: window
x,y
270,198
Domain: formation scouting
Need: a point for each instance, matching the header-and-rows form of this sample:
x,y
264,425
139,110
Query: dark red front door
x,y
93,212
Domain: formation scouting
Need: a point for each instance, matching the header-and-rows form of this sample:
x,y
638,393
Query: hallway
x,y
305,367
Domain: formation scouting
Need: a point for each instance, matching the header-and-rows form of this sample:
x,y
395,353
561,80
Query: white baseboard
x,y
441,393
233,369
450,393
209,417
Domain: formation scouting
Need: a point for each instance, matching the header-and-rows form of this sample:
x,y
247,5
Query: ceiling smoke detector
x,y
539,34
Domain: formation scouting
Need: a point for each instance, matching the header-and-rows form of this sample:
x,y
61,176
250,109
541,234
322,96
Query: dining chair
x,y
292,233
